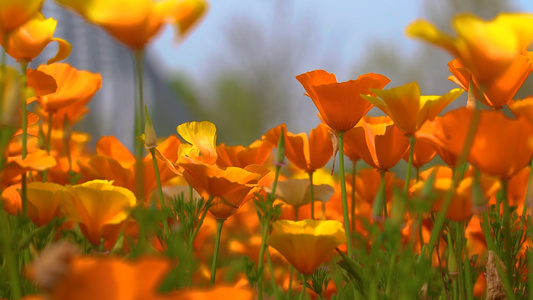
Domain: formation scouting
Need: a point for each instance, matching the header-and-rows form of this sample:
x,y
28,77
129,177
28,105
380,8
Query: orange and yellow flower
x,y
99,208
407,108
134,23
14,13
306,153
230,188
306,244
27,41
486,48
378,141
340,104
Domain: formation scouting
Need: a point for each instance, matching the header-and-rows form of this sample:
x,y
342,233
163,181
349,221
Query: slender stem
x,y
354,172
48,141
343,195
379,208
289,291
412,141
312,192
190,240
508,253
159,188
272,277
24,107
302,293
139,125
528,189
468,272
220,222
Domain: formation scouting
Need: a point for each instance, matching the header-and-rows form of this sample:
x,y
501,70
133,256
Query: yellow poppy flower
x,y
14,13
135,22
28,41
306,244
407,108
202,139
486,48
99,208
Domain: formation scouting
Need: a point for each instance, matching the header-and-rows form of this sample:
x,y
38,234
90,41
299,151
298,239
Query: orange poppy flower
x,y
240,156
486,48
113,161
424,153
461,207
340,104
307,154
27,41
425,134
99,208
37,160
501,89
378,141
500,147
72,86
523,108
134,23
231,187
306,244
407,108
14,13
368,181
111,278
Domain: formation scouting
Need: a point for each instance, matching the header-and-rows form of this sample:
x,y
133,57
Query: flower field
x,y
289,216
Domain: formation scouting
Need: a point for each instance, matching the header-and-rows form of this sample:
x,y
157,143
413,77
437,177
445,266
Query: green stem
x,y
379,208
48,141
220,222
159,188
9,255
412,141
354,173
312,192
139,125
24,106
468,271
289,291
343,195
508,252
190,240
272,277
302,293
528,188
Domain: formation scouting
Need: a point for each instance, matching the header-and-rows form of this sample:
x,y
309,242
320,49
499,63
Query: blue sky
x,y
342,29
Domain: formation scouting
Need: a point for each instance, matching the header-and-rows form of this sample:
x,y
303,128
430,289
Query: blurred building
x,y
112,108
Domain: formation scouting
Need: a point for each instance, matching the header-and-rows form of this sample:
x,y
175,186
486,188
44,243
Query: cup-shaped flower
x,y
307,243
73,86
340,103
523,108
378,141
43,201
14,13
369,180
502,88
407,108
202,139
461,207
134,23
240,156
424,153
99,208
297,192
306,153
500,147
486,48
230,188
26,42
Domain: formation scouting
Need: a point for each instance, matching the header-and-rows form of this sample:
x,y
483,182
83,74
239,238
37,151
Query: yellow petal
x,y
63,50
